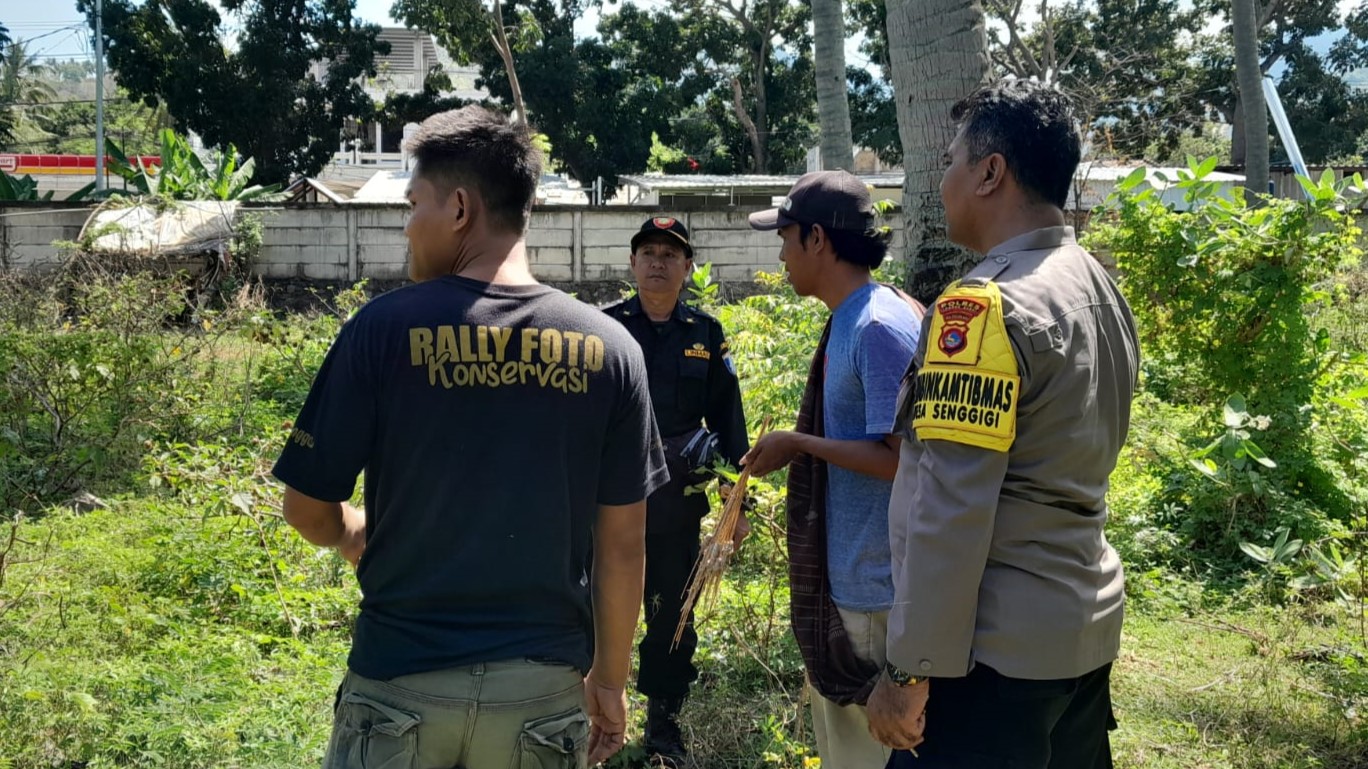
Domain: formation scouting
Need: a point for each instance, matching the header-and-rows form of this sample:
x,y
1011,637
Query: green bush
x,y
1224,297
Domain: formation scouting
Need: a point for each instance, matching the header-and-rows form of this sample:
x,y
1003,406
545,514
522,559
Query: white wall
x,y
367,241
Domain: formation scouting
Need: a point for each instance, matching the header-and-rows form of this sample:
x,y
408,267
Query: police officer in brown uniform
x,y
693,383
1008,599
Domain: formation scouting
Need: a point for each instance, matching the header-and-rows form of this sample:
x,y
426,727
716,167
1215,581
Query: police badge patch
x,y
957,314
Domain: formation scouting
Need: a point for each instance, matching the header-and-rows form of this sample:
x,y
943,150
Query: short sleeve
x,y
633,461
331,440
882,356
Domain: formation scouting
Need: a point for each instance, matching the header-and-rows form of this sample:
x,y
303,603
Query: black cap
x,y
667,225
837,200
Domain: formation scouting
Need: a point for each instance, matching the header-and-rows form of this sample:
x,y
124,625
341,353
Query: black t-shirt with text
x,y
491,421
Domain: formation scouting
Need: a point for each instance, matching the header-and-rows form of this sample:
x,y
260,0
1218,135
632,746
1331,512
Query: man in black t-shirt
x,y
504,428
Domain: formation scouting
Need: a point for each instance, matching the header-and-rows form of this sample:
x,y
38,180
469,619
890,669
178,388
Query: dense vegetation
x,y
155,610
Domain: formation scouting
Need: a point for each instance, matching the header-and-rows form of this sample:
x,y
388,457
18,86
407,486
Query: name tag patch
x,y
966,405
697,351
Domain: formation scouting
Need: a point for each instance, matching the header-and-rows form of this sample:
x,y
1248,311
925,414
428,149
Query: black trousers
x,y
989,721
670,554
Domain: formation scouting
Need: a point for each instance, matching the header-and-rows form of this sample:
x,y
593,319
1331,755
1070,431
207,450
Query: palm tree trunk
x,y
1249,77
833,103
1237,134
938,50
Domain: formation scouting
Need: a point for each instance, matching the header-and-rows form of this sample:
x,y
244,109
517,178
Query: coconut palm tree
x,y
938,52
833,104
1249,78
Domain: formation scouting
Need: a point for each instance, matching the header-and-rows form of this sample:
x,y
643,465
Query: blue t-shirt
x,y
874,334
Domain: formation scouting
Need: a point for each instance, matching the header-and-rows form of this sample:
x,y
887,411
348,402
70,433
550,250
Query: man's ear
x,y
992,174
460,206
817,238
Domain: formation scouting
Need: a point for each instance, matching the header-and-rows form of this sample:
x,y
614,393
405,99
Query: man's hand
x,y
897,714
607,708
739,534
353,542
772,451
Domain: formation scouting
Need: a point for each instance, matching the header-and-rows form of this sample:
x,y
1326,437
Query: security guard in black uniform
x,y
693,382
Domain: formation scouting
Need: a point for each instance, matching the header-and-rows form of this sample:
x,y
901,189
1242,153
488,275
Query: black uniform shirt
x,y
692,377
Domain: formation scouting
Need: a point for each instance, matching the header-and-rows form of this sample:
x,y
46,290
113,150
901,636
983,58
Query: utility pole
x,y
99,97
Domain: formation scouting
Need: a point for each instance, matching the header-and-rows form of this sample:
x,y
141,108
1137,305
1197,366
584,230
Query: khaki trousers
x,y
496,715
843,739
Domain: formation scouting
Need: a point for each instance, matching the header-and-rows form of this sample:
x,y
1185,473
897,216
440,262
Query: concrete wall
x,y
27,234
367,241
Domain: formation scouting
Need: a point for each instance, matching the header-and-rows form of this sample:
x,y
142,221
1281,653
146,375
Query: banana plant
x,y
21,188
183,175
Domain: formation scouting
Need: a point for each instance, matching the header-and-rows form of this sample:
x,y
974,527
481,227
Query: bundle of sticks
x,y
715,553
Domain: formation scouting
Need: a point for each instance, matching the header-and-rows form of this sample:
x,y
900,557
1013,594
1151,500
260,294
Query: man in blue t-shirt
x,y
829,248
504,428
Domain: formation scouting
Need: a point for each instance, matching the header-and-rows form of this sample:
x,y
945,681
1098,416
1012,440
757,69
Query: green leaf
x,y
1236,412
1257,454
1307,582
1206,467
1133,179
242,501
1206,167
1260,554
1281,539
1287,550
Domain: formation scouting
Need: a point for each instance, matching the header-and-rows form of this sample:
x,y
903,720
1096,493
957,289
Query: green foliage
x,y
22,88
21,188
1225,297
182,175
665,159
188,626
87,367
258,94
702,288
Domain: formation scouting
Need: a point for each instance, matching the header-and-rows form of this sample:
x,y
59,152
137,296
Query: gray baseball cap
x,y
837,200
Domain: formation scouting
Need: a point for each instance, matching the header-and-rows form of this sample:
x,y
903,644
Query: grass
x,y
150,635
187,626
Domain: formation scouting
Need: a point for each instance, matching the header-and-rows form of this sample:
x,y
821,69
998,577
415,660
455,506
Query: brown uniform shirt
x,y
999,556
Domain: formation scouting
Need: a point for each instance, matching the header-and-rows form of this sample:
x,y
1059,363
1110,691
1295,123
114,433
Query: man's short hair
x,y
865,249
473,146
1032,126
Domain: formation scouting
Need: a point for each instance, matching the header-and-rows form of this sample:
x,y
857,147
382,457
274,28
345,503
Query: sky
x,y
58,32
56,19
64,37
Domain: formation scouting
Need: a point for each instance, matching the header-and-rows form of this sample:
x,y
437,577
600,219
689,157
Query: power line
x,y
14,24
69,28
60,101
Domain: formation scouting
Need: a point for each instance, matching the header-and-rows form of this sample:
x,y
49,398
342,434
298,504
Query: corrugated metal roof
x,y
700,182
1115,173
389,185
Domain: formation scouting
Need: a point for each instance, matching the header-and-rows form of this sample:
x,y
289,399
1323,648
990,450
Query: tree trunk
x,y
761,111
747,125
833,103
1249,77
506,53
939,54
1237,134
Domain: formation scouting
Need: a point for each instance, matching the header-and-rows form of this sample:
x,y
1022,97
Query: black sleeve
x,y
633,461
725,415
331,440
